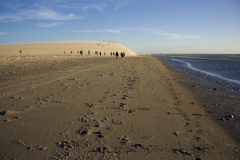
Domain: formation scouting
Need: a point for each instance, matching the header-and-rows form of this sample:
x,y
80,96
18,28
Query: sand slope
x,y
65,107
57,48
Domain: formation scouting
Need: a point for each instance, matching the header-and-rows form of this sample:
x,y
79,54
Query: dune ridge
x,y
57,48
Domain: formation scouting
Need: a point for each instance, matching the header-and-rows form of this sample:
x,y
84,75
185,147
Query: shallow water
x,y
219,69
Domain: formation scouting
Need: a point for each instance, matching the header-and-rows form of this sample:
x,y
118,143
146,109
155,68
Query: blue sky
x,y
145,26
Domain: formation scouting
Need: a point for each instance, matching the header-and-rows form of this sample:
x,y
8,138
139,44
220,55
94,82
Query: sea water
x,y
223,70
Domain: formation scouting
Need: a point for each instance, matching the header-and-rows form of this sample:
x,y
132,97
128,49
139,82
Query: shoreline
x,y
103,108
217,103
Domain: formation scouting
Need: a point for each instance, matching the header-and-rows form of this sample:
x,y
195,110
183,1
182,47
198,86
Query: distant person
x,y
64,52
81,52
122,55
89,52
20,52
71,51
116,55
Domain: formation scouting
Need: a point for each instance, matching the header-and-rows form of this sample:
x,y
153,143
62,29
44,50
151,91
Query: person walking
x,y
20,52
116,55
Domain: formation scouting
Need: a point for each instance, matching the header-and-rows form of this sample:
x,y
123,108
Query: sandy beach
x,y
91,107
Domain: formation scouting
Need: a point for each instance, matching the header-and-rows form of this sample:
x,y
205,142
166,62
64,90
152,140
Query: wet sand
x,y
68,107
220,102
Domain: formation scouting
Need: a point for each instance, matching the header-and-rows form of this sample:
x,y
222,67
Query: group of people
x,y
122,54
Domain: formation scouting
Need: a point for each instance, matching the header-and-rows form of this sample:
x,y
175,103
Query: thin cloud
x,y
101,5
39,14
174,36
162,33
182,37
58,10
47,25
98,6
122,3
103,30
3,33
40,10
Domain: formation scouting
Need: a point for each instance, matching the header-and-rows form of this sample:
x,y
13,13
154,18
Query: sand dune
x,y
57,48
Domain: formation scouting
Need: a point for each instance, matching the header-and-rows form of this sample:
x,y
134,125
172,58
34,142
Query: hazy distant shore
x,y
220,57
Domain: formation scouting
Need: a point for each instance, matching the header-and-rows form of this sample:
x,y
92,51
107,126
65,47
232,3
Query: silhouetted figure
x,y
81,52
20,52
116,55
89,53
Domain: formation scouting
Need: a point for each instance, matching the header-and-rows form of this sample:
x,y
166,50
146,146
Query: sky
x,y
144,26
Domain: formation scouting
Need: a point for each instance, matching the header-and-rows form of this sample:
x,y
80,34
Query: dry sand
x,y
68,107
57,48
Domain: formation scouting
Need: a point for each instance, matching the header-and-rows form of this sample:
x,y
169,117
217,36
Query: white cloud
x,y
46,25
102,5
174,36
121,3
103,30
97,6
39,14
3,33
159,32
60,10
